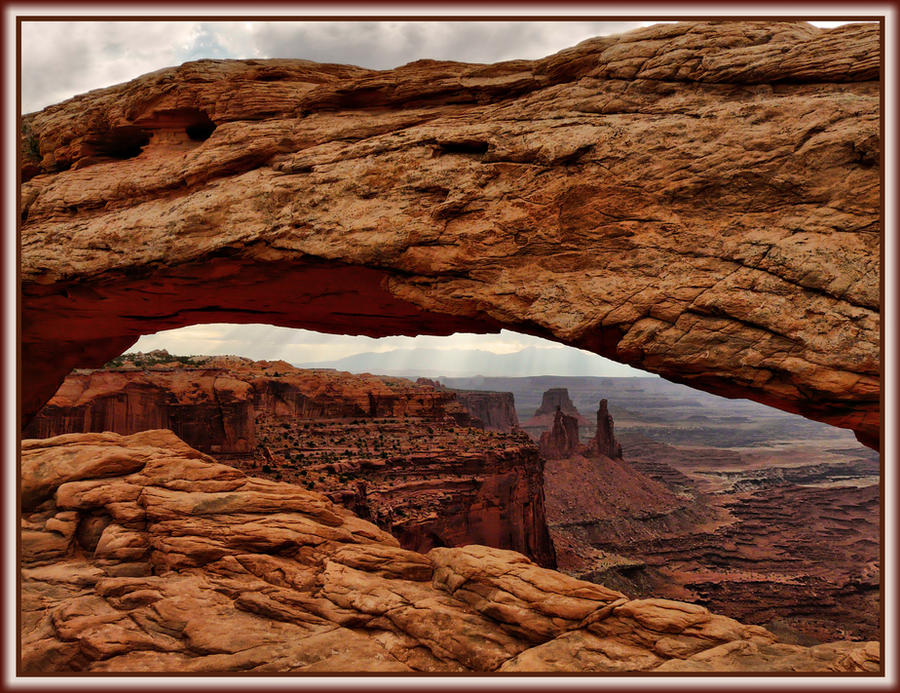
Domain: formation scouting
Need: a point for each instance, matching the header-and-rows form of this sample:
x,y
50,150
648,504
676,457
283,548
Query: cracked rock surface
x,y
142,554
700,200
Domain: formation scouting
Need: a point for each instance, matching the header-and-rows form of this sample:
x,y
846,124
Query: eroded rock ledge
x,y
700,200
407,456
141,554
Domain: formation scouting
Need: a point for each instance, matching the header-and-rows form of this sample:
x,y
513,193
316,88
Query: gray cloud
x,y
62,59
383,45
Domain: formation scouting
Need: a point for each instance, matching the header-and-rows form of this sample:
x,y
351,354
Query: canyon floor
x,y
779,529
764,516
700,200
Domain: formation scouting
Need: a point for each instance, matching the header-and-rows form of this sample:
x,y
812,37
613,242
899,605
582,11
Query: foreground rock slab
x,y
141,554
700,200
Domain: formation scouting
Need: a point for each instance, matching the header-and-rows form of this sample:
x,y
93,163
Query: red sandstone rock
x,y
700,199
562,438
496,410
604,441
202,569
407,456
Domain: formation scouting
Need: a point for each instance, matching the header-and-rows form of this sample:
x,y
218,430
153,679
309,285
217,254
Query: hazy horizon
x,y
457,354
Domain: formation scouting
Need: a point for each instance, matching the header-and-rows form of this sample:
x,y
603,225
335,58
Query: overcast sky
x,y
62,59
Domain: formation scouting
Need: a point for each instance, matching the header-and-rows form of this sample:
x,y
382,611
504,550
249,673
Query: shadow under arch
x,y
85,326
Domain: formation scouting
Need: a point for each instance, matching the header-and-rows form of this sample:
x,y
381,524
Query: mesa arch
x,y
700,200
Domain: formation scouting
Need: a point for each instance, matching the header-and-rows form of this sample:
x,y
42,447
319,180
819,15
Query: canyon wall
x,y
141,555
497,410
794,548
408,456
212,403
562,438
700,199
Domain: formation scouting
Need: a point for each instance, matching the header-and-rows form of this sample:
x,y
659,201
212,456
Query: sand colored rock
x,y
217,583
410,457
699,199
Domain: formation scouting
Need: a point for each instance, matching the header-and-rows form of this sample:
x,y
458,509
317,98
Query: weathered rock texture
x,y
407,456
553,401
562,438
141,554
700,200
496,410
604,441
798,554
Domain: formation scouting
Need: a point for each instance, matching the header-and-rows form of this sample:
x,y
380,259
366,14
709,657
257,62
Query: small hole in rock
x,y
200,132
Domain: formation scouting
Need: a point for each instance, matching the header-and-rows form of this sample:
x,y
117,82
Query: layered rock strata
x,y
141,554
562,438
428,483
212,402
795,549
408,456
604,442
495,410
700,199
553,400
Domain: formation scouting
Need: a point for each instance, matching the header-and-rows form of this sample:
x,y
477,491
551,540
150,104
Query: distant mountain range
x,y
432,363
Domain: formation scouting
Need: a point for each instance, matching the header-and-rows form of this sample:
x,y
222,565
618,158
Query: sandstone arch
x,y
700,200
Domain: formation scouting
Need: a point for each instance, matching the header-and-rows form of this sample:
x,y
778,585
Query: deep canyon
x,y
701,200
794,548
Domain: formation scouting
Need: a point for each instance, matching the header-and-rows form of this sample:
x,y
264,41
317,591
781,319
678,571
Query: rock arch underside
x,y
700,200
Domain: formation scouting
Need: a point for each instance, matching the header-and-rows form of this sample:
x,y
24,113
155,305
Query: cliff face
x,y
140,554
554,400
429,483
562,438
493,497
407,455
204,406
213,405
497,410
664,198
604,441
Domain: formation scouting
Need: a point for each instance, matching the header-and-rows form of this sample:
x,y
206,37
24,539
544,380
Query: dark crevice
x,y
119,143
200,132
464,147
